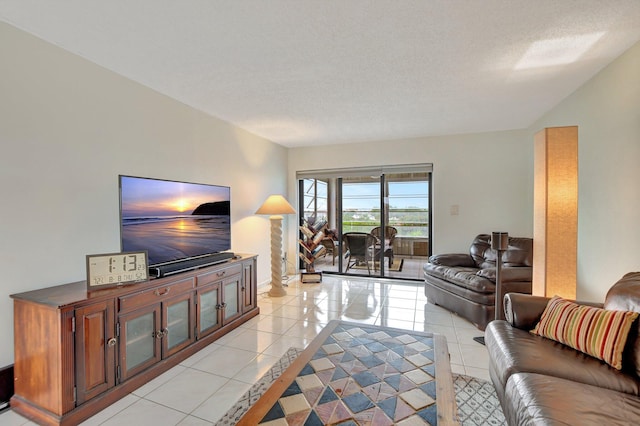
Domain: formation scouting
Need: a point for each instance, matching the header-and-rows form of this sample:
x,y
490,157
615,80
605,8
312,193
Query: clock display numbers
x,y
116,269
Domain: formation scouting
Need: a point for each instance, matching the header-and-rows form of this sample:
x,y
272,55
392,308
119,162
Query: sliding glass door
x,y
363,213
370,222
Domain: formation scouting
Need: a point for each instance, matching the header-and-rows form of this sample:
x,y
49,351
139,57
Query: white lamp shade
x,y
275,205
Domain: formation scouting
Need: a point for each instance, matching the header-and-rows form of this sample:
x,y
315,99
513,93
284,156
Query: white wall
x,y
607,112
488,175
68,128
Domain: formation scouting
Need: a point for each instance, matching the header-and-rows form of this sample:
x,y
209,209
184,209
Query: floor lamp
x,y
275,206
500,243
555,212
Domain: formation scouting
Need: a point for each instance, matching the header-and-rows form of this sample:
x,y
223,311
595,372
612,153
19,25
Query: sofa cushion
x,y
464,277
539,399
519,252
453,259
464,293
596,332
512,351
509,274
481,252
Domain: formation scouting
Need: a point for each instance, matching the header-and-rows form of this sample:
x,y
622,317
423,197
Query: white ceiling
x,y
310,72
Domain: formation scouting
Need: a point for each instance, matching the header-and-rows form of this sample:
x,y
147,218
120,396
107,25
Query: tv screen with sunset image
x,y
173,220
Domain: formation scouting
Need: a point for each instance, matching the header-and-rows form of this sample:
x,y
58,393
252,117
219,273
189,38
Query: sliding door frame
x,y
382,171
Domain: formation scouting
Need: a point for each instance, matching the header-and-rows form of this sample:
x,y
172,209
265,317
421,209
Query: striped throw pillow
x,y
596,332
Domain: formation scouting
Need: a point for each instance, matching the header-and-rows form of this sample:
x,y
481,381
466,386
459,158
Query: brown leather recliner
x,y
465,283
540,381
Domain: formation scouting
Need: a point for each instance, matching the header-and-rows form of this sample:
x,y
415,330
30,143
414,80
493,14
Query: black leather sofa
x,y
465,283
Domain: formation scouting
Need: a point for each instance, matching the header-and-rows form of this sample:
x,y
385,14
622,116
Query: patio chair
x,y
359,249
389,235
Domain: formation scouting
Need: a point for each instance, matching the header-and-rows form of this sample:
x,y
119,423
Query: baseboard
x,y
6,386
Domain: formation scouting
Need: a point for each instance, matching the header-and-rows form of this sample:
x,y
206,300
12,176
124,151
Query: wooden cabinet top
x,y
76,293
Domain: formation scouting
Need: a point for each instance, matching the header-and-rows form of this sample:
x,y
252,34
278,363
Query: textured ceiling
x,y
309,72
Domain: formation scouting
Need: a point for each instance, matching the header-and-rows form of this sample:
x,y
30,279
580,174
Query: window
x,y
315,199
409,208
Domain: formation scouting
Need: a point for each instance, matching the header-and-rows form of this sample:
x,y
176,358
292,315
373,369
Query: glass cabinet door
x,y
141,343
231,294
177,320
208,310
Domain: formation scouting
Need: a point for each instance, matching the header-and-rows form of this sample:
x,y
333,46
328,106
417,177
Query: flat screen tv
x,y
172,220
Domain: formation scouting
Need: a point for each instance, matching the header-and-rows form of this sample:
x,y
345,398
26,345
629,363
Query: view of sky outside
x,y
402,195
408,207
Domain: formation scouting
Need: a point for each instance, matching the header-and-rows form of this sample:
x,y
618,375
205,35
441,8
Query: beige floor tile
x,y
458,369
268,308
253,340
394,323
160,380
466,335
226,362
474,355
194,421
187,390
272,324
146,413
398,314
201,354
217,404
103,415
454,353
436,318
11,418
256,369
480,373
280,346
306,329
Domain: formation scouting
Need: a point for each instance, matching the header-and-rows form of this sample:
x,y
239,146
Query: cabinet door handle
x,y
159,293
111,342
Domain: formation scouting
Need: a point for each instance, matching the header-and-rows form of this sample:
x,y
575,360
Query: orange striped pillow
x,y
596,332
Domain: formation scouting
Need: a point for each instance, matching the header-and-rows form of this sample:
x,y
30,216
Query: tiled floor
x,y
203,387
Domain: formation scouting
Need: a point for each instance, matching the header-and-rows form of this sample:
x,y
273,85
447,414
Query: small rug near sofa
x,y
476,400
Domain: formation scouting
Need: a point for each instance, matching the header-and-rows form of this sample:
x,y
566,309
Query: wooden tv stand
x,y
77,352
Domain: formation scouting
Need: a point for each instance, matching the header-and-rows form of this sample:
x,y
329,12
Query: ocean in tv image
x,y
173,220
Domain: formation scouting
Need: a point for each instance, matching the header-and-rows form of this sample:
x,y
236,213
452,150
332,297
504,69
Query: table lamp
x,y
275,206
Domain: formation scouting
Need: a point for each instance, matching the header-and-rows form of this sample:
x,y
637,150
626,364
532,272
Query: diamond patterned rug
x,y
477,402
365,375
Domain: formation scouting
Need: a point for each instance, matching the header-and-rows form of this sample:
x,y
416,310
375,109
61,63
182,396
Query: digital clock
x,y
114,269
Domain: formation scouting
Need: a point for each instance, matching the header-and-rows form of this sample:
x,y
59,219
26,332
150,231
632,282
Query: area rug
x,y
476,399
477,402
395,267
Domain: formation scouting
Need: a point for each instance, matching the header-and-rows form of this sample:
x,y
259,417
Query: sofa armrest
x,y
453,259
524,310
